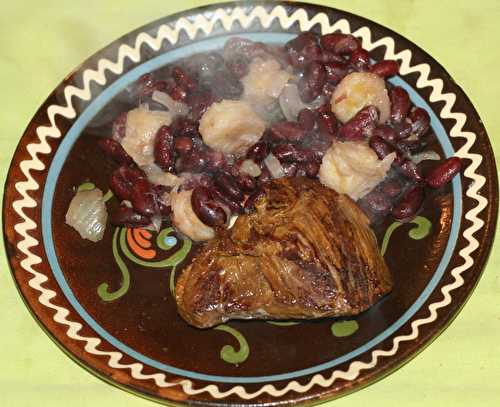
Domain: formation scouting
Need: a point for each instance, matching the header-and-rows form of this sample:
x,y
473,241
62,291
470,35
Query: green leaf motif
x,y
283,323
421,230
228,353
86,186
342,329
103,289
164,242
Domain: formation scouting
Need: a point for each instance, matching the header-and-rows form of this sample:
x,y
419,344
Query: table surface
x,y
42,41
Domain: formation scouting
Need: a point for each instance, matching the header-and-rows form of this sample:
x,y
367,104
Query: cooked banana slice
x,y
353,168
140,131
185,220
357,90
265,81
231,127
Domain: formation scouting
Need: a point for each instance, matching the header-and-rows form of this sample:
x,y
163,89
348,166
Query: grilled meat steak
x,y
306,252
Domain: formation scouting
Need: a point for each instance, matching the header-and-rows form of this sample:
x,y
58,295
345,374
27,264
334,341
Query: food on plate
x,y
303,144
353,168
231,127
140,132
306,252
87,214
358,90
264,81
229,122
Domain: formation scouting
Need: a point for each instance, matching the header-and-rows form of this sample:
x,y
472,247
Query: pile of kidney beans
x,y
320,63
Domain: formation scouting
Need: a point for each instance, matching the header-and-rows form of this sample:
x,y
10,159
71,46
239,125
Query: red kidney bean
x,y
120,186
377,201
290,169
143,198
312,169
311,83
176,92
336,71
183,145
410,203
125,216
207,211
360,59
403,129
410,146
252,198
199,102
196,180
228,185
327,123
339,43
195,161
246,182
115,150
119,127
385,68
330,56
258,152
391,188
410,170
215,160
164,148
328,90
183,79
444,172
286,131
400,104
147,84
289,153
361,125
234,205
420,121
265,176
123,180
385,132
238,66
381,147
318,149
184,127
303,49
307,119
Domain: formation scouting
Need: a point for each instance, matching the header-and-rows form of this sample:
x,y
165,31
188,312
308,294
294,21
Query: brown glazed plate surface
x,y
109,304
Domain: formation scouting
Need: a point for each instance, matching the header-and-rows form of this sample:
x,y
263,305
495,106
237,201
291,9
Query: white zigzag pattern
x,y
165,32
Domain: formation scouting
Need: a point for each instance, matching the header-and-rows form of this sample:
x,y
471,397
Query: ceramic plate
x,y
109,304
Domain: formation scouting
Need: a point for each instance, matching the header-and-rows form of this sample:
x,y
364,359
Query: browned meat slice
x,y
306,252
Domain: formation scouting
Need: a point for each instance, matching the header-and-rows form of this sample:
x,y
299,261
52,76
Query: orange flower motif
x,y
139,242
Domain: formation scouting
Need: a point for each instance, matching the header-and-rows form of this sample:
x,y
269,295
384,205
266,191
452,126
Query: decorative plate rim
x,y
228,14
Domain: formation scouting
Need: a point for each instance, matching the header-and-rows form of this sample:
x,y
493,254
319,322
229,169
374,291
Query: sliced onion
x,y
232,221
274,166
157,176
424,156
251,168
156,223
291,104
87,214
185,220
174,107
